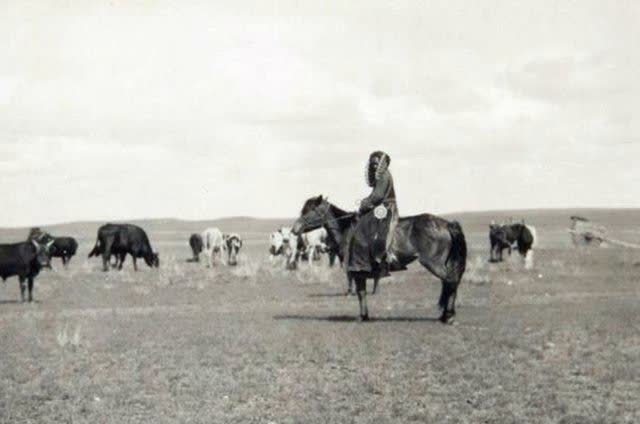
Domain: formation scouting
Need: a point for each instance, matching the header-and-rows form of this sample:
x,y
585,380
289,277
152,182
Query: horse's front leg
x,y
375,285
361,288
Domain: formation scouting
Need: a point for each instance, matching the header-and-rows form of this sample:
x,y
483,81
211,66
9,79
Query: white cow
x,y
314,243
284,242
213,245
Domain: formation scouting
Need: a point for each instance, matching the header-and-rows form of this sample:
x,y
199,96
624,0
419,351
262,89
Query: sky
x,y
113,110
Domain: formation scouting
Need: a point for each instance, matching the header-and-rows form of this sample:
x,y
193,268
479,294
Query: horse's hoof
x,y
447,319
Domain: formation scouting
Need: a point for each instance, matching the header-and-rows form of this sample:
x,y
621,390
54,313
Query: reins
x,y
326,220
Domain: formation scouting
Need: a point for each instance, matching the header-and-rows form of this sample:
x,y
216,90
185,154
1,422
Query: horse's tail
x,y
457,259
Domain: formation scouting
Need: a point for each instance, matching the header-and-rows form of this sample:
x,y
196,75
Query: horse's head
x,y
314,214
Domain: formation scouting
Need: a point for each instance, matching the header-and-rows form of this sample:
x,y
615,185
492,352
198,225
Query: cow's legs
x,y
528,259
361,288
106,255
64,261
30,279
120,260
23,288
135,263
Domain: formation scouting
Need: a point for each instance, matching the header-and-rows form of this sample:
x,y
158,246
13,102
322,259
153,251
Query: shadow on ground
x,y
352,318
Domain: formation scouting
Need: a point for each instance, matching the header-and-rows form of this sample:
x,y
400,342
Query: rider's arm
x,y
378,194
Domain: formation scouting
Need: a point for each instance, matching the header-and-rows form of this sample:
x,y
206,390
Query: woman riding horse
x,y
377,218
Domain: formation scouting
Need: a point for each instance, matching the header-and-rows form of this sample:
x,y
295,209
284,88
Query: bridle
x,y
324,219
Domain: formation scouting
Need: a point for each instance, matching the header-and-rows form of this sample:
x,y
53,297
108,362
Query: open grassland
x,y
556,344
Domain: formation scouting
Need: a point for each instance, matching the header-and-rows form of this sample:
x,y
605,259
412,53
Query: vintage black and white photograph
x,y
298,211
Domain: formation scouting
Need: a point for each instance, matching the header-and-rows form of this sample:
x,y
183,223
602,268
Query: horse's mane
x,y
338,212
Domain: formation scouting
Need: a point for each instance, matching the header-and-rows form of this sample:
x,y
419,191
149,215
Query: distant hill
x,y
550,223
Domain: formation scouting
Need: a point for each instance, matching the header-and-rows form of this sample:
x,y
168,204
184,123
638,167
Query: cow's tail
x,y
457,260
96,249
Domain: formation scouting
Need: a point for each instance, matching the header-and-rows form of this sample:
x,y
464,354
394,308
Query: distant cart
x,y
586,233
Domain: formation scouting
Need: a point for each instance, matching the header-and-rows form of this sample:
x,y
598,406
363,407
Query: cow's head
x,y
275,243
43,247
233,244
289,247
152,259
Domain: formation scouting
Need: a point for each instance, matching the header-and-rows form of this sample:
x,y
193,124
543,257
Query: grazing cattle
x,y
313,244
507,236
123,239
195,241
284,243
62,247
25,260
276,241
233,243
213,245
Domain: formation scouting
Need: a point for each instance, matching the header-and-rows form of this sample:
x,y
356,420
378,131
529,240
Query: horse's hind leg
x,y
349,285
447,301
361,288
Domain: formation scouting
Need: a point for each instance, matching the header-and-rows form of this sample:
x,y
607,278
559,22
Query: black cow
x,y
123,239
64,248
195,241
25,259
505,236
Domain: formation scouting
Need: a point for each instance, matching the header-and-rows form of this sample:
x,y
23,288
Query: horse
x,y
438,245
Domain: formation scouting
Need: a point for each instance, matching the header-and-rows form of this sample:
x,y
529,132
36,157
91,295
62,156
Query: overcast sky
x,y
115,110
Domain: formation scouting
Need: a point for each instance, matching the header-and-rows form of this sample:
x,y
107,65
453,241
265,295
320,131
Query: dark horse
x,y
439,246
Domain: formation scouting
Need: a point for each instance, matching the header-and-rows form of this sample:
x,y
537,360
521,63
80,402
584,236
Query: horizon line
x,y
258,218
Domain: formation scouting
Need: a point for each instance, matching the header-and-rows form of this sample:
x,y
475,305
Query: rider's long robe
x,y
369,238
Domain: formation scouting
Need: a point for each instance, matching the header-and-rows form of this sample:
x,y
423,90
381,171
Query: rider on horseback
x,y
378,216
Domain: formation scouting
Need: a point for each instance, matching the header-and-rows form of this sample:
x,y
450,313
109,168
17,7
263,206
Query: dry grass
x,y
258,343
